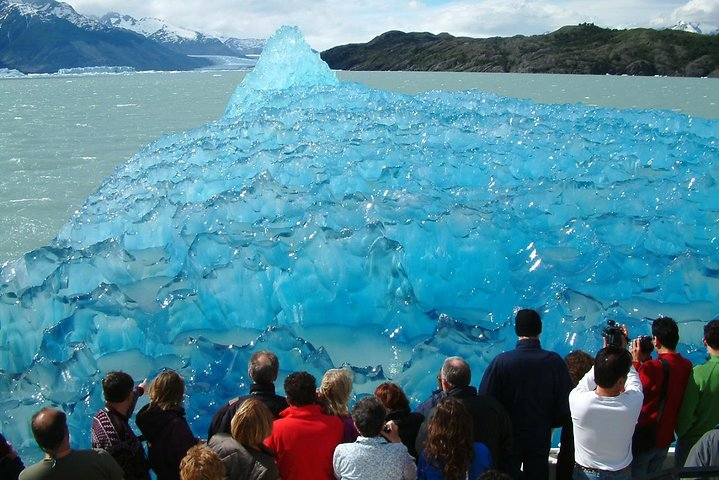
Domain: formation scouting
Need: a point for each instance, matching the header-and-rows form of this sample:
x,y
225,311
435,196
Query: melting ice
x,y
335,224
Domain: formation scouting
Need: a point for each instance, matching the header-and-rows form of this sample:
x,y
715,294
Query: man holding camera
x,y
664,381
605,406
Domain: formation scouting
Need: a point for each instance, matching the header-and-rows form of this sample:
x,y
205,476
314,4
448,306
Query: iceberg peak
x,y
287,61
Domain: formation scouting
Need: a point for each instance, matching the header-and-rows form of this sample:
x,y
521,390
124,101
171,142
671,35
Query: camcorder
x,y
614,334
616,338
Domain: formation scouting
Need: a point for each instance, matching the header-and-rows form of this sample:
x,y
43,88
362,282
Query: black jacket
x,y
408,424
492,425
264,392
168,439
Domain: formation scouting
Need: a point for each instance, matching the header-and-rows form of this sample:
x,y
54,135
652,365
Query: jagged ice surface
x,y
335,224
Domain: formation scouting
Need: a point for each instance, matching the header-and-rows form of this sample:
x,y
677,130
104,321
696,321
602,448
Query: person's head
x,y
167,391
666,332
455,373
392,396
711,334
527,323
369,416
252,423
263,367
450,438
335,390
578,363
300,389
201,463
117,387
611,365
49,427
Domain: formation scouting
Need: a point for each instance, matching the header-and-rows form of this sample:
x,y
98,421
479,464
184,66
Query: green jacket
x,y
699,412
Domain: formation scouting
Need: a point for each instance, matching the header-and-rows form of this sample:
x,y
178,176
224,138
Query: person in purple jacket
x,y
164,426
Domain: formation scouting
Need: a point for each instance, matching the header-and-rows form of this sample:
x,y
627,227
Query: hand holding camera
x,y
615,335
390,431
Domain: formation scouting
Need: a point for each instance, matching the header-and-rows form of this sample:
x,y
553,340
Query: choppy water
x,y
60,136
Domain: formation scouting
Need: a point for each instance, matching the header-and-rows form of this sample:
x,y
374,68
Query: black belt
x,y
597,470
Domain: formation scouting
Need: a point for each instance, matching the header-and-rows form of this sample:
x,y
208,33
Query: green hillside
x,y
577,49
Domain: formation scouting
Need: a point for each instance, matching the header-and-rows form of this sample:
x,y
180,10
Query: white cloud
x,y
705,12
326,23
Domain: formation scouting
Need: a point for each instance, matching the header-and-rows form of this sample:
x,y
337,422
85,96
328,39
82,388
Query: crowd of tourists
x,y
619,412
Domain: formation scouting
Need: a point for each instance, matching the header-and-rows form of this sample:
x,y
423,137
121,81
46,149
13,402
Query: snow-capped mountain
x,y
183,40
687,27
249,46
44,36
51,8
148,27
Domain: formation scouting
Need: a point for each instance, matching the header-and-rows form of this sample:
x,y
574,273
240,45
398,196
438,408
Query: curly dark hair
x,y
450,439
301,389
578,363
369,416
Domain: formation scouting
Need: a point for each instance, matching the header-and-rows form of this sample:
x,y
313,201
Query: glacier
x,y
340,225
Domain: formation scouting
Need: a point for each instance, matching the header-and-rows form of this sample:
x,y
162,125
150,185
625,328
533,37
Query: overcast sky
x,y
327,23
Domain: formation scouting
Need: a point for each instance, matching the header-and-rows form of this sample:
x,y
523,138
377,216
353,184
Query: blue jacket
x,y
533,385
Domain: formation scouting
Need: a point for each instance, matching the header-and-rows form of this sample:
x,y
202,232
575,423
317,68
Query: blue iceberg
x,y
340,225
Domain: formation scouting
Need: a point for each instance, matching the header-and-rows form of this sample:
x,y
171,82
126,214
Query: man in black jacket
x,y
263,369
533,385
492,425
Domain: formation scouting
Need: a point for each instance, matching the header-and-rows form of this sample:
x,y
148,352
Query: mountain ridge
x,y
45,36
573,49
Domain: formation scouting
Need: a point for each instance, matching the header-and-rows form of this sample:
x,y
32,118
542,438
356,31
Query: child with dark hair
x,y
450,452
111,429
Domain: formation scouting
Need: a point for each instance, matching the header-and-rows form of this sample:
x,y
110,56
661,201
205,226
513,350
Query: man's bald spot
x,y
49,427
263,367
456,372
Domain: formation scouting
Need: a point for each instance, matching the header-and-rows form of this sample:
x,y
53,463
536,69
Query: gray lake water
x,y
60,136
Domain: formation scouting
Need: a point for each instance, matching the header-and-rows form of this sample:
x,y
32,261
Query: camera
x,y
645,344
614,334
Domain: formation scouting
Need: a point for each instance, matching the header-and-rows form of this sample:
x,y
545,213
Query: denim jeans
x,y
580,474
648,462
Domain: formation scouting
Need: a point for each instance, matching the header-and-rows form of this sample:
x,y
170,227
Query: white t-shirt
x,y
603,426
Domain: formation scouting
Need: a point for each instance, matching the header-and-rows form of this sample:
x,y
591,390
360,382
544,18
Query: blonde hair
x,y
335,391
201,463
167,391
252,423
